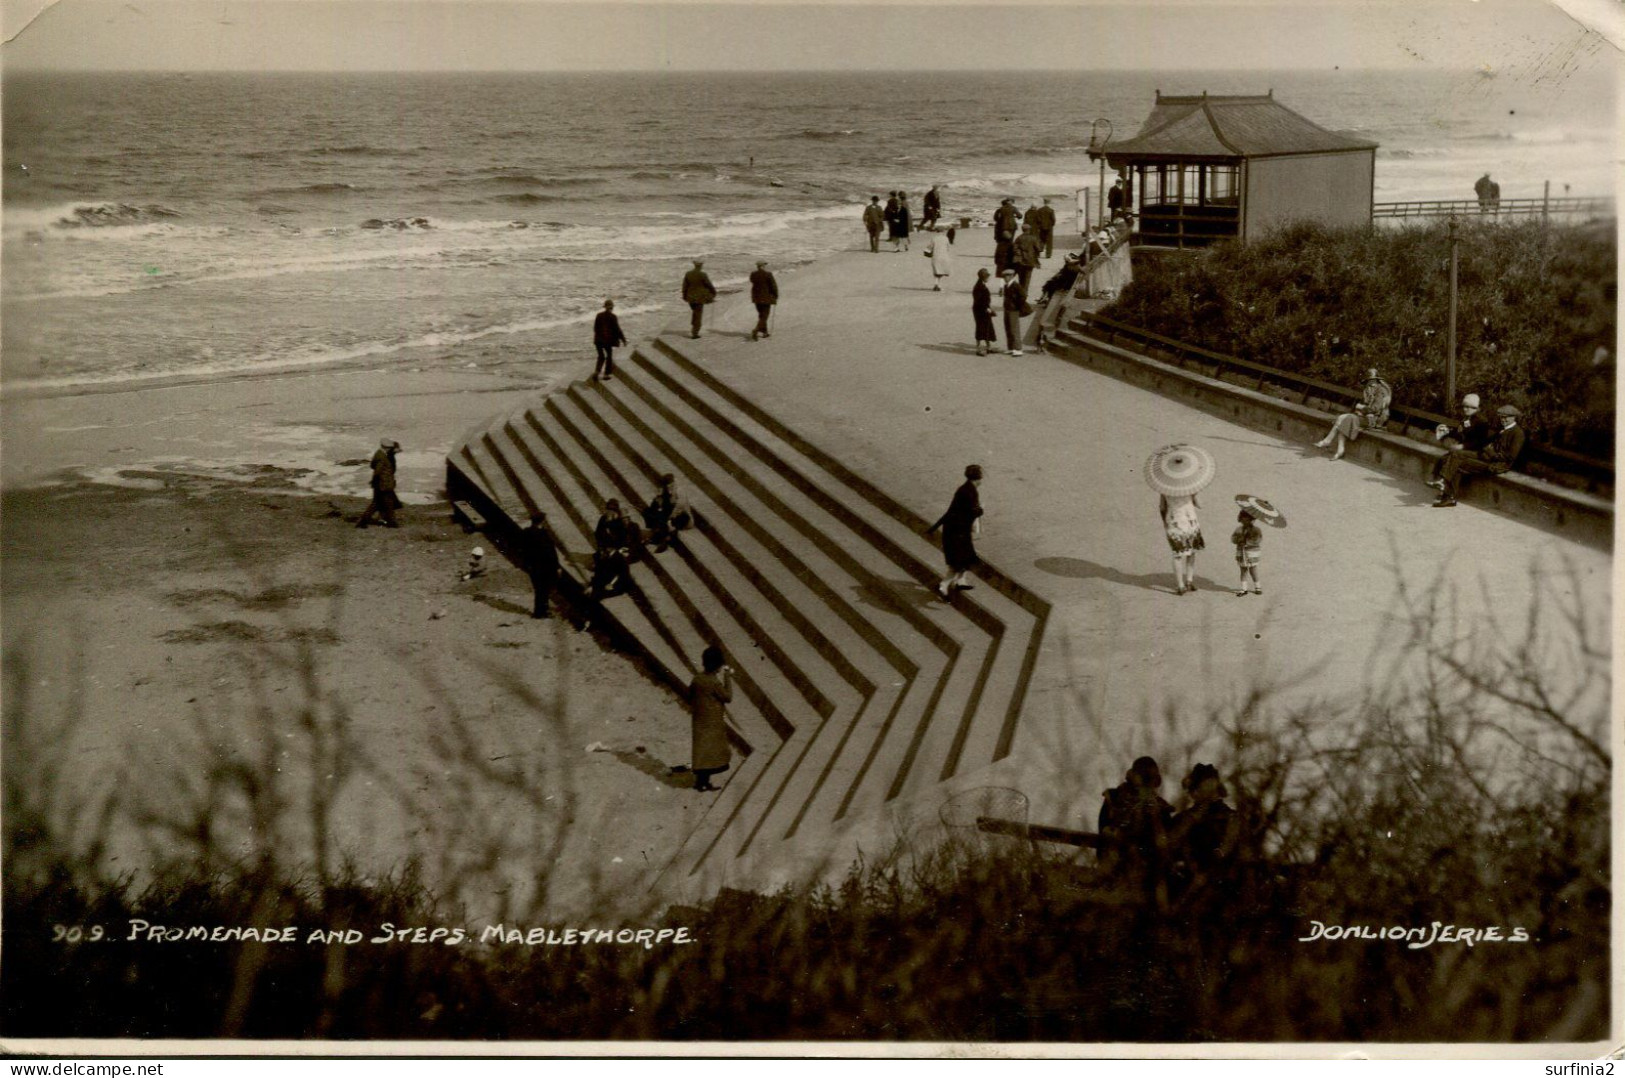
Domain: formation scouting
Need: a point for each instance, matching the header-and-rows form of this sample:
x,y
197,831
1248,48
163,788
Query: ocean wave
x,y
113,215
643,174
820,136
530,198
398,224
360,151
330,188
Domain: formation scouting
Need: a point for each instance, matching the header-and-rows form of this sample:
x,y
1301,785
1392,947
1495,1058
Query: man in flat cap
x,y
697,292
1500,455
541,563
764,292
384,502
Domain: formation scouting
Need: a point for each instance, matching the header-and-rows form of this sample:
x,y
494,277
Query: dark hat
x,y
1146,768
1202,773
538,517
973,471
1508,409
608,303
667,479
759,265
613,503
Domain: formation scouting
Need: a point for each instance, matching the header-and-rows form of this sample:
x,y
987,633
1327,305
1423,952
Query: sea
x,y
174,225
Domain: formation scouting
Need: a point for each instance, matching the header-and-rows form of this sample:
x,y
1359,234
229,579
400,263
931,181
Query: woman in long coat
x,y
981,308
1376,396
960,525
708,697
900,223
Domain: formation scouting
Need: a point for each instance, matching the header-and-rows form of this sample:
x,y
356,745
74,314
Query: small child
x,y
476,564
1249,542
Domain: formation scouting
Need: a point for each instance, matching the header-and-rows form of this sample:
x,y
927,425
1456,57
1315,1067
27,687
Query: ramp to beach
x,y
816,458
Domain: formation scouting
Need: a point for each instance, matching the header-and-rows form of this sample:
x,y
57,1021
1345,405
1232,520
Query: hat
x,y
1470,401
1200,774
1508,409
478,552
667,480
973,471
613,503
759,265
389,443
1007,273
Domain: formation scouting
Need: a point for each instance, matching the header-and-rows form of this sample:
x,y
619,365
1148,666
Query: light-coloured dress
x,y
942,259
1184,528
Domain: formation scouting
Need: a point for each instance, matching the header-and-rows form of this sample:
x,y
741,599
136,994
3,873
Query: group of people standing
x,y
897,219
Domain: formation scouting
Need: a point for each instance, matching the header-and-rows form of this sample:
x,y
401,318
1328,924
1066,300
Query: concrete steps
x,y
857,688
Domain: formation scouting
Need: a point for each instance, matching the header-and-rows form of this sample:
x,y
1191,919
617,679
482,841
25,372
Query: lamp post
x,y
1097,149
1450,330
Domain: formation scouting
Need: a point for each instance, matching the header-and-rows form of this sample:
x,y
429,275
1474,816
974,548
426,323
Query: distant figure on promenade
x,y
1500,455
1203,837
1472,434
981,307
1133,824
384,501
667,514
1481,188
1248,539
891,215
1376,396
709,695
874,219
900,223
1001,253
764,293
1005,219
1183,527
1044,227
940,252
960,526
1117,200
1016,308
606,337
1025,255
541,555
930,209
697,292
611,562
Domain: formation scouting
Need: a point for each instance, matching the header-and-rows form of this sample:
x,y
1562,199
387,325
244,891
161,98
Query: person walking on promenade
x,y
384,500
1025,254
1370,414
606,337
930,209
940,252
667,514
764,293
611,562
1117,200
891,215
981,308
900,223
709,695
1045,228
960,526
874,219
1500,455
1481,188
541,554
1184,530
1472,435
1016,308
697,292
1005,219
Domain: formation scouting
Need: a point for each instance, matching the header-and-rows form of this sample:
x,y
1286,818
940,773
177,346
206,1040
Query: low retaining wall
x,y
1572,514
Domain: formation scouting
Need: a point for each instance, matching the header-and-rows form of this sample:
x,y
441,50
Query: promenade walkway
x,y
871,366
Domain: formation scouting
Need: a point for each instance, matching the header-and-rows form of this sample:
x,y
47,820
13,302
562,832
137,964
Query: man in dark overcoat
x,y
874,219
764,293
959,526
541,563
384,501
1500,455
606,337
1025,254
697,292
930,209
1044,227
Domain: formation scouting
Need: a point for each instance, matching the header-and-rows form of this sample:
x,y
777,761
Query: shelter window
x,y
1191,190
1221,185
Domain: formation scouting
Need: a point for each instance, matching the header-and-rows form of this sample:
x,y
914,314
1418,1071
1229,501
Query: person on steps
x,y
606,337
708,697
960,526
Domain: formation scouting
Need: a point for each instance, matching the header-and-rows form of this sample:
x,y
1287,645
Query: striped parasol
x,y
1179,470
1261,510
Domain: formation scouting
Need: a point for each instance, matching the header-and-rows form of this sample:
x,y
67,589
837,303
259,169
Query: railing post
x,y
1545,202
1450,338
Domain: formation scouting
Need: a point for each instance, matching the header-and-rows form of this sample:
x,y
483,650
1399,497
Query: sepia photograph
x,y
928,528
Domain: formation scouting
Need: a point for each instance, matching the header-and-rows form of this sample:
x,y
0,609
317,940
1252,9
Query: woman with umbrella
x,y
1249,540
1177,473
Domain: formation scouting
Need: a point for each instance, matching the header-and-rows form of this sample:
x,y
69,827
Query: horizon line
x,y
44,68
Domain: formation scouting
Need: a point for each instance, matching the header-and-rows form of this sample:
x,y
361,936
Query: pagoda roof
x,y
1207,127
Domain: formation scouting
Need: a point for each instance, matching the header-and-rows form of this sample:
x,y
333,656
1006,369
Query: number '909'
x,y
76,933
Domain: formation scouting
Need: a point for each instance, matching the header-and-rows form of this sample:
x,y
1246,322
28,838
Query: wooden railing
x,y
1544,461
1504,207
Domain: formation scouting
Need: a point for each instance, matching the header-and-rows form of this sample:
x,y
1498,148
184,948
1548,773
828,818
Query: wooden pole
x,y
1545,202
1450,332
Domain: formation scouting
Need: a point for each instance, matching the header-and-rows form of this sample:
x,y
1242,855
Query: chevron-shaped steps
x,y
856,686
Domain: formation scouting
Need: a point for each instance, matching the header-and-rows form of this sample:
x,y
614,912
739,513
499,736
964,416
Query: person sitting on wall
x,y
1472,434
1370,414
667,514
1500,455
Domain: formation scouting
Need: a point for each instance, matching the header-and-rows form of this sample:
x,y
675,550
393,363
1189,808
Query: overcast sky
x,y
403,35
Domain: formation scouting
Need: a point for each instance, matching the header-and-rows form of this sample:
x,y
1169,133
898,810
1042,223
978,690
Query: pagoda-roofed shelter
x,y
1207,168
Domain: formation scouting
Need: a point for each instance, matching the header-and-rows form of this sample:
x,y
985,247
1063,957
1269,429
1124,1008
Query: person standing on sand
x,y
1015,309
981,308
384,502
764,292
930,209
960,526
1044,228
708,697
541,563
900,223
606,337
697,292
874,219
1025,254
940,252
